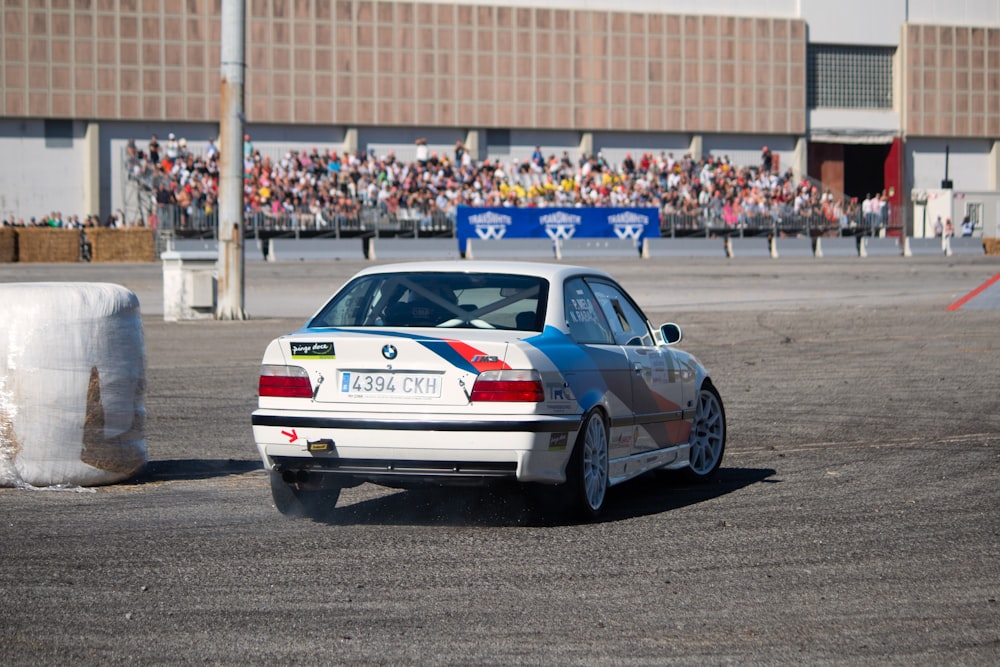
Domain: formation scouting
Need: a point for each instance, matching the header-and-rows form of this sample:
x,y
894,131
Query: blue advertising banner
x,y
555,223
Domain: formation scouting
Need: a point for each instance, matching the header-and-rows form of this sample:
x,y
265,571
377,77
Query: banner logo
x,y
490,225
560,225
556,224
628,225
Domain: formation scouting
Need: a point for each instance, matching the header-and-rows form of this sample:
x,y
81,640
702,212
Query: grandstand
x,y
339,195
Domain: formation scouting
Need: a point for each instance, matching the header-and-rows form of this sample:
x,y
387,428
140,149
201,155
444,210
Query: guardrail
x,y
371,221
780,223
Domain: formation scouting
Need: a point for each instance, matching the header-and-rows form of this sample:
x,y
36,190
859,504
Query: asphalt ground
x,y
856,519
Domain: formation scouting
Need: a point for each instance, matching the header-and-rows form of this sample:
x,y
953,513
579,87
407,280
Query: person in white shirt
x,y
422,152
171,148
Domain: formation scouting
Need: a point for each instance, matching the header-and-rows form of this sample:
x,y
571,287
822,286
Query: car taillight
x,y
522,386
284,381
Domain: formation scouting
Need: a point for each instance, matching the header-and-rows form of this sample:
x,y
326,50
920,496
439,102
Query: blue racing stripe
x,y
580,365
439,346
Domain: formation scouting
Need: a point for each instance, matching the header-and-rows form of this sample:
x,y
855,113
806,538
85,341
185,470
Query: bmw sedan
x,y
469,372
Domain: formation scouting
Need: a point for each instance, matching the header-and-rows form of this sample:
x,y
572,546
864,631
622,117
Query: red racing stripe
x,y
476,357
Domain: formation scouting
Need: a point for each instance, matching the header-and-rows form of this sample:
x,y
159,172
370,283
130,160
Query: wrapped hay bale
x,y
72,384
8,244
136,244
44,244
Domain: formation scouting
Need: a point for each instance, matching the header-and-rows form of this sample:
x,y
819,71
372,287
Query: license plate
x,y
366,383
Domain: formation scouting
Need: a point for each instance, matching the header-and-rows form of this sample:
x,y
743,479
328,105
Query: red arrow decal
x,y
292,437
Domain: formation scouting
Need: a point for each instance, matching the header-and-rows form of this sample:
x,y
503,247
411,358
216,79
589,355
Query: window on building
x,y
849,77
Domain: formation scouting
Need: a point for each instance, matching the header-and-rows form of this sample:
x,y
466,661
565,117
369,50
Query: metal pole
x,y
230,222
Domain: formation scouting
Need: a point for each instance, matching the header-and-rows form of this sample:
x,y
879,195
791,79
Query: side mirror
x,y
671,333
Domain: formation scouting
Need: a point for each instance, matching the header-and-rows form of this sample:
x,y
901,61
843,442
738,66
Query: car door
x,y
602,367
657,393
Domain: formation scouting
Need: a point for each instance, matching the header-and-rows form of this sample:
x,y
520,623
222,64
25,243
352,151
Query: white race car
x,y
471,372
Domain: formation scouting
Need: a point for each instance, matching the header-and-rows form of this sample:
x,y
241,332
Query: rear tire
x,y
708,435
294,501
582,495
586,487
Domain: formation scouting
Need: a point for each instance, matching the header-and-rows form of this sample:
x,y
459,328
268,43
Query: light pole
x,y
229,305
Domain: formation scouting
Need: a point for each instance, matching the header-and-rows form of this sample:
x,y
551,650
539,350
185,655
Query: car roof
x,y
551,272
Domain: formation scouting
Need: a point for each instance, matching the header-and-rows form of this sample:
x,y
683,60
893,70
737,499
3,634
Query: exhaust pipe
x,y
295,476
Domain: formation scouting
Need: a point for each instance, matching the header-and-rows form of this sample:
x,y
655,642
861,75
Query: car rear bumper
x,y
435,448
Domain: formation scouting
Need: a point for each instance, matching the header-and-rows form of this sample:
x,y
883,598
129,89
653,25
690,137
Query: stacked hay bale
x,y
992,246
43,244
136,244
8,244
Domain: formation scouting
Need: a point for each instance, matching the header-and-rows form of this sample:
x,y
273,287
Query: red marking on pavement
x,y
974,293
292,437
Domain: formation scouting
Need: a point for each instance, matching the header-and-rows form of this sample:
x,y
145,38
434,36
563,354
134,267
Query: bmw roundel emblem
x,y
389,352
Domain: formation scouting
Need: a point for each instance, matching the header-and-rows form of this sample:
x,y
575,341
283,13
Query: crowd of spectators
x,y
55,219
324,186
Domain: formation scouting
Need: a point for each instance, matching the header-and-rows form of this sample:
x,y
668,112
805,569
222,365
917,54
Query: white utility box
x,y
190,284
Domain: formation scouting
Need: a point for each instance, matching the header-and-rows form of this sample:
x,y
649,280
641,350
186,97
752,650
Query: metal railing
x,y
368,221
371,221
780,222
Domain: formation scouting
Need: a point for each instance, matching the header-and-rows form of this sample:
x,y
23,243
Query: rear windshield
x,y
438,299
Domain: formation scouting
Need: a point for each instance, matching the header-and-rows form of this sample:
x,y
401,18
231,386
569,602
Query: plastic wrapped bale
x,y
72,384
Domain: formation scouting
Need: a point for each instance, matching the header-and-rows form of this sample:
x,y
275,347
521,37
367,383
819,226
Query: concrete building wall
x,y
845,22
955,12
744,150
950,80
40,175
853,125
405,64
771,8
968,163
521,143
853,21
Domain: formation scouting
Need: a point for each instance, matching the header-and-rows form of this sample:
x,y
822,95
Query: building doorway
x,y
864,169
856,170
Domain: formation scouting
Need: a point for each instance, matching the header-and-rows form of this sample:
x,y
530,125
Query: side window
x,y
627,323
586,322
353,307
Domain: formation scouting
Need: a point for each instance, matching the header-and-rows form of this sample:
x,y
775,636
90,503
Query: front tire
x,y
708,435
294,501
